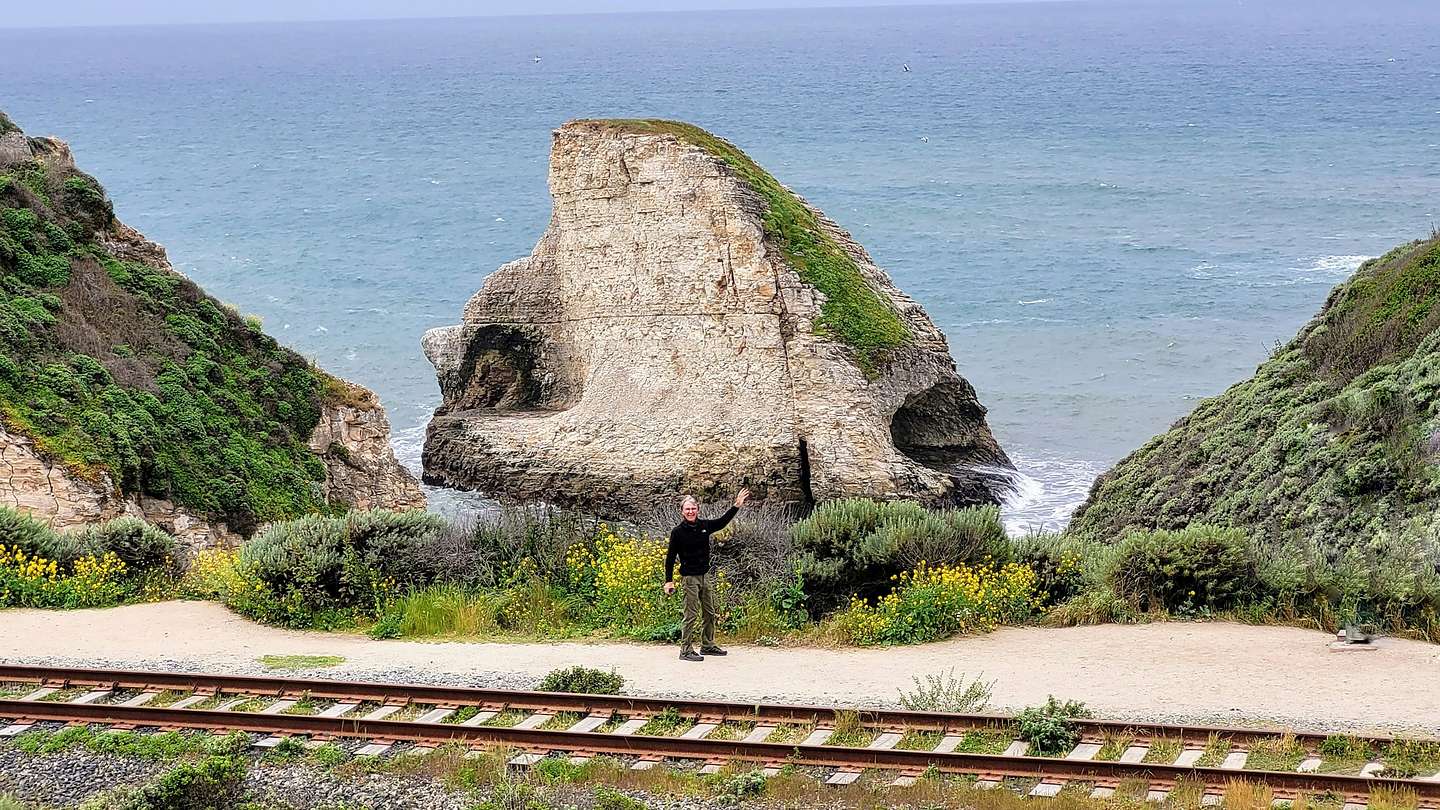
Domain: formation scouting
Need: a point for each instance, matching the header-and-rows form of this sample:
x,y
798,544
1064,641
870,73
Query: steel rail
x,y
542,741
896,719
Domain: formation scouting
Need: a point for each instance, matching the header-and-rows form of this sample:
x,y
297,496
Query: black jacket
x,y
691,543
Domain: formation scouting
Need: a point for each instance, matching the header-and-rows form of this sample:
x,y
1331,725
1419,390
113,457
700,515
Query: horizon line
x,y
793,5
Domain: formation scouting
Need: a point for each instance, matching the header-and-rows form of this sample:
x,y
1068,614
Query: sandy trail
x,y
1175,671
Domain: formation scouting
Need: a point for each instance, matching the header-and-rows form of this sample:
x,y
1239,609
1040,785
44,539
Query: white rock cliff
x,y
658,341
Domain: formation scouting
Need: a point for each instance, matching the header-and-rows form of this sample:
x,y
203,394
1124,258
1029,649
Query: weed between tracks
x,y
1163,751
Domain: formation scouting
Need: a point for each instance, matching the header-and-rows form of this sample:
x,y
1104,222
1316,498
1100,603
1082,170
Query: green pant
x,y
699,609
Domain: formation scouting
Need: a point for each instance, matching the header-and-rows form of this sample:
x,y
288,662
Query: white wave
x,y
1340,265
1035,301
1308,270
1047,489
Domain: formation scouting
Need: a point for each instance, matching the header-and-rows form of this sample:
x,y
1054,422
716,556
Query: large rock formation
x,y
126,390
1333,443
687,324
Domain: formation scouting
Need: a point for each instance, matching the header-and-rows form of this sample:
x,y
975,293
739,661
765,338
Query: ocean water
x,y
1113,209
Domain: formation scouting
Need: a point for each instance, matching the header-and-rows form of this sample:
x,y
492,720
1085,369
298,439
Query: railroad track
x,y
904,744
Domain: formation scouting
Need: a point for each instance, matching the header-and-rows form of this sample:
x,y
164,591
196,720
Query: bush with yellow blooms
x,y
934,602
28,580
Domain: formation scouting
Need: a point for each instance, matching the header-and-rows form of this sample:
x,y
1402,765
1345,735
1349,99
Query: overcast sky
x,y
29,13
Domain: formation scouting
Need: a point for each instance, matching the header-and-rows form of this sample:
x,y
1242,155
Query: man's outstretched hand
x,y
669,588
741,498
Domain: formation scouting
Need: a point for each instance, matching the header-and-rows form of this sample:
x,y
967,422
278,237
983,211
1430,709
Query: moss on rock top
x,y
853,311
113,363
1334,441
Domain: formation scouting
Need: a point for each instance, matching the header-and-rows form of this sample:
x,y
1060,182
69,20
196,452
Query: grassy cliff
x,y
853,311
1334,442
113,363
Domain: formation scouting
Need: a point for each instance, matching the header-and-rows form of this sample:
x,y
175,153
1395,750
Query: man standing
x,y
690,542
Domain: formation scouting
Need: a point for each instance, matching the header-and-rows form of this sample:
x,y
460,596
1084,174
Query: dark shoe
x,y
691,655
712,651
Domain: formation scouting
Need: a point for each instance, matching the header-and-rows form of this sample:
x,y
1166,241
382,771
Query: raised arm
x,y
724,520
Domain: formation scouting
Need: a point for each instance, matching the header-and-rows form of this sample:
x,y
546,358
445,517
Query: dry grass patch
x,y
985,742
1282,754
790,733
731,731
506,719
1113,744
308,705
562,721
1163,751
669,723
920,741
849,731
1216,749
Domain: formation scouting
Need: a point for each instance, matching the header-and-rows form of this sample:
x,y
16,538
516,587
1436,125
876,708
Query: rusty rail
x,y
261,686
541,741
911,762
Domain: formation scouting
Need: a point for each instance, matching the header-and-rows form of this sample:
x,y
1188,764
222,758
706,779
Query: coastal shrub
x,y
20,532
87,581
141,546
621,577
1391,580
1049,728
930,603
853,547
515,542
354,564
1058,563
583,680
1197,569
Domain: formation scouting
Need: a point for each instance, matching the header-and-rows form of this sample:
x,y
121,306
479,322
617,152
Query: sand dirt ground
x,y
1171,671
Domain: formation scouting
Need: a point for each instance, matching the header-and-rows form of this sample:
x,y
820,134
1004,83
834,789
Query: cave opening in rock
x,y
501,371
934,428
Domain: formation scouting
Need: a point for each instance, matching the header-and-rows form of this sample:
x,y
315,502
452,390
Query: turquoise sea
x,y
1112,209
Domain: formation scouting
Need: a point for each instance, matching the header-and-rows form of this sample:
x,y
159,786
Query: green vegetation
x,y
285,663
856,547
1048,728
853,311
1325,459
215,781
120,368
583,680
943,692
98,566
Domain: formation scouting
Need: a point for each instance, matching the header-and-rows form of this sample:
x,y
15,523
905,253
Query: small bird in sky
x,y
906,66
537,59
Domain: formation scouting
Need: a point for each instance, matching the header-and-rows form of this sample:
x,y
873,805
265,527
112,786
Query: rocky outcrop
x,y
687,324
129,391
353,438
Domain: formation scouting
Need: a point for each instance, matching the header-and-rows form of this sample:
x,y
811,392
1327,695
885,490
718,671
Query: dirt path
x,y
1219,672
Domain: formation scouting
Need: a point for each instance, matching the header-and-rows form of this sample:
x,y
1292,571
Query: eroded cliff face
x,y
126,390
659,339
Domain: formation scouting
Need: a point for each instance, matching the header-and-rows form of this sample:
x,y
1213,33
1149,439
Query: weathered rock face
x,y
32,485
115,340
658,340
361,471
